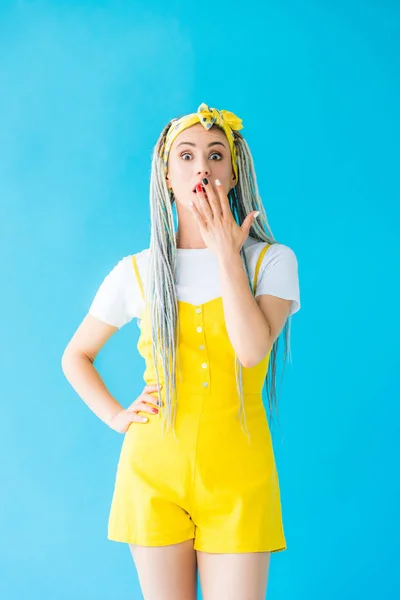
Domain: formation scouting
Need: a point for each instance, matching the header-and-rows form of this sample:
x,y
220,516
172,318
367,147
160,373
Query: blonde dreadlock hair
x,y
161,299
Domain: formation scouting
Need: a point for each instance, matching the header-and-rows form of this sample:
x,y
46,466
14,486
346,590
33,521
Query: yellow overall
x,y
209,482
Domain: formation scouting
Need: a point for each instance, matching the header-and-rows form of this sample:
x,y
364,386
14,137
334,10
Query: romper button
x,y
205,383
204,365
199,329
198,310
201,347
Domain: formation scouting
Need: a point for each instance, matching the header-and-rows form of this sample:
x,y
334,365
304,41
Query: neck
x,y
189,241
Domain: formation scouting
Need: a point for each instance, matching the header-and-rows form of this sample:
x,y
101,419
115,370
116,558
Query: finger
x,y
202,203
148,408
151,389
213,198
198,216
145,397
135,418
224,200
247,223
145,407
151,399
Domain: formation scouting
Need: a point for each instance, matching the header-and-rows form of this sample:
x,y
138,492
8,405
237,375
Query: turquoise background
x,y
85,89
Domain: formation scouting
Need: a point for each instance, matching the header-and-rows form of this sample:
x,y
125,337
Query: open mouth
x,y
195,190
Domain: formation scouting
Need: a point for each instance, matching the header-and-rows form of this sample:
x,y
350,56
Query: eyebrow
x,y
194,145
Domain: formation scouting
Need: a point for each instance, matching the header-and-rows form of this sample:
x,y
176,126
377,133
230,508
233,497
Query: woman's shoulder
x,y
122,270
141,253
254,246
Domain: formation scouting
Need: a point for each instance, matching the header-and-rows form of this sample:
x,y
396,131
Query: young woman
x,y
196,488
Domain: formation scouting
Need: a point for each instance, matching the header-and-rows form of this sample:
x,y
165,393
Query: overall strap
x,y
259,261
139,280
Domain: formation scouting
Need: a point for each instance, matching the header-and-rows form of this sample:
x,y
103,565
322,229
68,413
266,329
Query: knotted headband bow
x,y
207,117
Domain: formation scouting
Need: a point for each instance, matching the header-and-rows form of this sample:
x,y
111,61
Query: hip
x,y
205,429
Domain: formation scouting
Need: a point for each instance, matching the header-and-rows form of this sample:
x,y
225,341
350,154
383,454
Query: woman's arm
x,y
253,324
78,367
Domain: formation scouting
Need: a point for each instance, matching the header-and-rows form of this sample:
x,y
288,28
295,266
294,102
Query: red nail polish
x,y
199,187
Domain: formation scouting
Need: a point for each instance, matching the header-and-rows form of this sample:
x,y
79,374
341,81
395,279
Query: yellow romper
x,y
208,483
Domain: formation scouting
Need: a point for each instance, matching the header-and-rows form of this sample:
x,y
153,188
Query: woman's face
x,y
197,153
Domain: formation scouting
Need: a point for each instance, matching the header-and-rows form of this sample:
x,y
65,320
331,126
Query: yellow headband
x,y
207,117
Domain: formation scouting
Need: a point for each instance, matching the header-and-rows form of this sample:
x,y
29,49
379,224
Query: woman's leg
x,y
233,576
166,572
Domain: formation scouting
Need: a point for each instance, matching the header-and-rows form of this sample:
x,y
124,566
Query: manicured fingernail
x,y
144,418
205,181
199,187
256,214
217,181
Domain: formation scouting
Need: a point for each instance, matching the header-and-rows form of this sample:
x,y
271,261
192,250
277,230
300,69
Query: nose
x,y
202,167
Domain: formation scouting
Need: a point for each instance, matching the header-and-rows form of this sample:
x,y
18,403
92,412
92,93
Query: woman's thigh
x,y
166,572
233,576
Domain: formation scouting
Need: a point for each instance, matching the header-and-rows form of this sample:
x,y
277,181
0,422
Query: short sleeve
x,y
278,275
117,300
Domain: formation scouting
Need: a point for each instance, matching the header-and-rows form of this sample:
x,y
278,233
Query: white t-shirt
x,y
119,299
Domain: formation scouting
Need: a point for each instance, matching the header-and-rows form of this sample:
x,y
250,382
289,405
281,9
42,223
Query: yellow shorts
x,y
210,485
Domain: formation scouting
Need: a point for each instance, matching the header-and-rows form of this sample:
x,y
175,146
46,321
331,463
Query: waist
x,y
221,398
205,380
